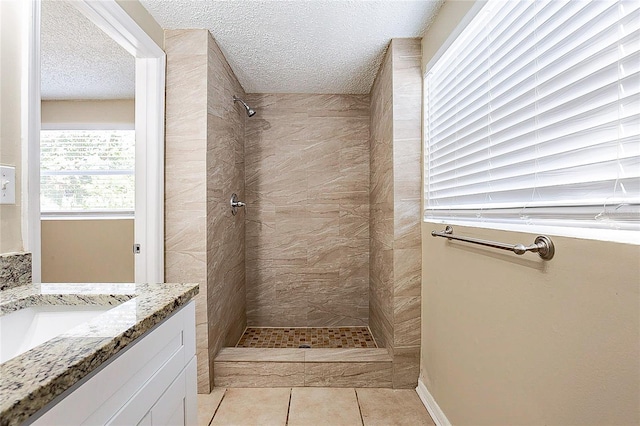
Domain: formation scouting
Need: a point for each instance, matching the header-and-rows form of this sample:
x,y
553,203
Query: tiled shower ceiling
x,y
301,46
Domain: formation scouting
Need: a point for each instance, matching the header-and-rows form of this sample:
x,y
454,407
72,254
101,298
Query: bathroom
x,y
332,233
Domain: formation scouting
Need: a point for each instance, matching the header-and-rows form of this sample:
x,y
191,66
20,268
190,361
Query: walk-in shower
x,y
250,112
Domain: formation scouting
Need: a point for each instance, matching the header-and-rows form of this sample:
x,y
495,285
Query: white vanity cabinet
x,y
152,382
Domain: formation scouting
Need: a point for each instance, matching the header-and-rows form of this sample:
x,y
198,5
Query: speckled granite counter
x,y
30,381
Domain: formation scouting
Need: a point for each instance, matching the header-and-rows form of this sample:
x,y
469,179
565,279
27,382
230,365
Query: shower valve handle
x,y
235,204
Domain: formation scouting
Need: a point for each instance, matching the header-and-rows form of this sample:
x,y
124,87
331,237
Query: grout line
x,y
268,338
317,328
373,337
359,408
218,407
288,407
242,335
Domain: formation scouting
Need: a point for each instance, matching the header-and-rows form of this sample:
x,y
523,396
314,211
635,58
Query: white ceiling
x,y
78,60
300,46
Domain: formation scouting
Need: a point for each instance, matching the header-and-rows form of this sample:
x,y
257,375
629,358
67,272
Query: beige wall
x,y
204,165
10,105
114,111
396,137
448,18
307,186
517,340
87,251
10,120
93,250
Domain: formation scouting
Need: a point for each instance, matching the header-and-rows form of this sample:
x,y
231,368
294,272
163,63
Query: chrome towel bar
x,y
542,244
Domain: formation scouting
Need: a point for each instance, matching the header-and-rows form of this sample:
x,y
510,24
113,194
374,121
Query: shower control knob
x,y
235,204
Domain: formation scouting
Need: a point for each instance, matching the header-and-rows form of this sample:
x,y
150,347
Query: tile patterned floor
x,y
326,337
312,406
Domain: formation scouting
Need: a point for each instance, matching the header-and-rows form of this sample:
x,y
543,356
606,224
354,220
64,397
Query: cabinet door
x,y
146,420
170,410
178,406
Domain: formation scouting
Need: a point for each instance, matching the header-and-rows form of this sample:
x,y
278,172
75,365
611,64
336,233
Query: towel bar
x,y
542,244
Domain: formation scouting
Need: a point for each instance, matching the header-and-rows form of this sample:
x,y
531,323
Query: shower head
x,y
250,112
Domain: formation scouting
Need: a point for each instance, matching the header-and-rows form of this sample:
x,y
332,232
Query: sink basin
x,y
27,328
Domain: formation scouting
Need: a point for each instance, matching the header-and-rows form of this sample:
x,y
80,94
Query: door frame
x,y
150,62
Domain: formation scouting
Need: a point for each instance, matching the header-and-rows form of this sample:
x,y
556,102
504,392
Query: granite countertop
x,y
30,381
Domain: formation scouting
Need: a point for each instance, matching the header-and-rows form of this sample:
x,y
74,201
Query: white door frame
x,y
149,124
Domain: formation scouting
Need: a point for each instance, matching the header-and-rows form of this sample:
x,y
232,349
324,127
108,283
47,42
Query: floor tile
x,y
309,337
255,406
387,407
207,404
324,406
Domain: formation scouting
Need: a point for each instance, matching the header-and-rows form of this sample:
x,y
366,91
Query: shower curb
x,y
352,367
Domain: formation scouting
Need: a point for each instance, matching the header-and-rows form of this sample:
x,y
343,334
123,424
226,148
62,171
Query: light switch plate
x,y
7,185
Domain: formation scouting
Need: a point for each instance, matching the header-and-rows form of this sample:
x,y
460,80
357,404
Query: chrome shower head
x,y
250,112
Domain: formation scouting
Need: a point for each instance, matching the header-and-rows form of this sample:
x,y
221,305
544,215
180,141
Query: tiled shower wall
x,y
381,199
307,223
226,292
396,102
204,165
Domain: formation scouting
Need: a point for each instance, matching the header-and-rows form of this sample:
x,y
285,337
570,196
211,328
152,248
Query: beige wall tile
x,y
406,317
185,42
348,374
261,354
406,225
395,196
225,175
307,159
204,165
380,324
347,355
185,174
185,96
407,269
406,367
381,206
258,374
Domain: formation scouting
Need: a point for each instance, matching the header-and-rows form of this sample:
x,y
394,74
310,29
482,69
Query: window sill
x,y
113,215
558,229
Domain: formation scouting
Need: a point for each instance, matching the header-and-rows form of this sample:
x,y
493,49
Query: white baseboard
x,y
431,405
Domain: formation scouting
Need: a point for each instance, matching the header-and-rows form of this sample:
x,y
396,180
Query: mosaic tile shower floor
x,y
314,337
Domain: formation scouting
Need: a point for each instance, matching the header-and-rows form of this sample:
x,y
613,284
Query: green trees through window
x,y
87,170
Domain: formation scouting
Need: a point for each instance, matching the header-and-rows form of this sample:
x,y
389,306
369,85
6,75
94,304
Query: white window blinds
x,y
87,171
533,114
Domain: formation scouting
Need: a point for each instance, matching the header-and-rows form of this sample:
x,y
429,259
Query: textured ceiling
x,y
300,46
78,60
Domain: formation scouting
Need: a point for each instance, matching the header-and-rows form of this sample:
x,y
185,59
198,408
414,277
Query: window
x,y
87,171
532,116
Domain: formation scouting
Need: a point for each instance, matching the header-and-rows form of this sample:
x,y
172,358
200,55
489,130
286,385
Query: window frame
x,y
89,214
